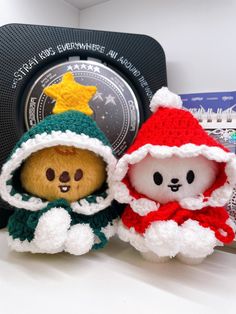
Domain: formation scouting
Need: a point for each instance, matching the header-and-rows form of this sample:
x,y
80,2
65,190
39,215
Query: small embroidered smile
x,y
64,188
174,187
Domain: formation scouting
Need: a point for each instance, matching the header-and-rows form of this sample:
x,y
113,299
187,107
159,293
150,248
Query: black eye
x,y
157,177
190,176
78,174
50,174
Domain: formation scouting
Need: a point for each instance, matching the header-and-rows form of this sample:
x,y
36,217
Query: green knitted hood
x,y
70,128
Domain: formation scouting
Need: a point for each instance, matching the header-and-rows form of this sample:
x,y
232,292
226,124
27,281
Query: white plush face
x,y
172,179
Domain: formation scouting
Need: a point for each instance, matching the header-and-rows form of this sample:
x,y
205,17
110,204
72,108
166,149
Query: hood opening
x,y
220,180
18,189
217,195
13,193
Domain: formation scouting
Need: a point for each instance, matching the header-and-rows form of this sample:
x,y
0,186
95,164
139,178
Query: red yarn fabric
x,y
208,217
173,127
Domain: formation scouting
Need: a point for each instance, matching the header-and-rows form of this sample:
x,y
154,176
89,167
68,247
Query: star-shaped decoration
x,y
76,67
90,67
98,96
70,95
110,99
69,68
83,66
96,69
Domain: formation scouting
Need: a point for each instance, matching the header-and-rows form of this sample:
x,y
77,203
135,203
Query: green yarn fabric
x,y
22,223
71,120
103,240
99,211
98,220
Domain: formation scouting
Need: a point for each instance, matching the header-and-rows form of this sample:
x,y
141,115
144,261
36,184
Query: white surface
x,y
114,280
42,12
83,4
197,36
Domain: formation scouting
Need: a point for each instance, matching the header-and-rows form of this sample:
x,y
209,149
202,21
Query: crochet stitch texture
x,y
194,225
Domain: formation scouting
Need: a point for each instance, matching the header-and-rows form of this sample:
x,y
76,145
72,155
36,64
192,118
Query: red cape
x,y
209,217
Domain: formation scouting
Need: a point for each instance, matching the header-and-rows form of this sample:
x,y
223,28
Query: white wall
x,y
198,37
44,12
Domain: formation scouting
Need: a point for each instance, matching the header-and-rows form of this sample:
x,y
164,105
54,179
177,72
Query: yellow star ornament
x,y
70,95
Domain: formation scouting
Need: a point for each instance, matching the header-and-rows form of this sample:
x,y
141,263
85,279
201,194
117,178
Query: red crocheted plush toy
x,y
175,179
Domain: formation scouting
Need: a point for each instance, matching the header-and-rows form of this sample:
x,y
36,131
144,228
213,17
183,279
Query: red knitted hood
x,y
172,131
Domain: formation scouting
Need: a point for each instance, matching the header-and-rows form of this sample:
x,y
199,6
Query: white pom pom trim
x,y
165,98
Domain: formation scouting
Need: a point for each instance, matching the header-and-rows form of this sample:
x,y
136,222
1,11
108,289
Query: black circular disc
x,y
132,67
115,105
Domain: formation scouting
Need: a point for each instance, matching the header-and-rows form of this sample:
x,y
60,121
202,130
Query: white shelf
x,y
114,280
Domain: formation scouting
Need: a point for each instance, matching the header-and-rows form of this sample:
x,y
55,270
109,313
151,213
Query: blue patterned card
x,y
216,112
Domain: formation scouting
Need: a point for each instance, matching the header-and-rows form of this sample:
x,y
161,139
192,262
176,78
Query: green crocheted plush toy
x,y
59,179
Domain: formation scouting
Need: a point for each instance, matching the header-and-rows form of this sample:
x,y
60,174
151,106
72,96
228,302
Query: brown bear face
x,y
63,172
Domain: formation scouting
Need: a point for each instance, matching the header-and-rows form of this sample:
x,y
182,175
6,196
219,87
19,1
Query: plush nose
x,y
64,177
174,180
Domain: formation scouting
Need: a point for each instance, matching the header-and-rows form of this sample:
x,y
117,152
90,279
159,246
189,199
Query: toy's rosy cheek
x,y
78,175
50,174
157,178
190,176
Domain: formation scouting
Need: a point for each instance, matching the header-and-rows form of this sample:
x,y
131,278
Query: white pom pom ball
x,y
165,98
